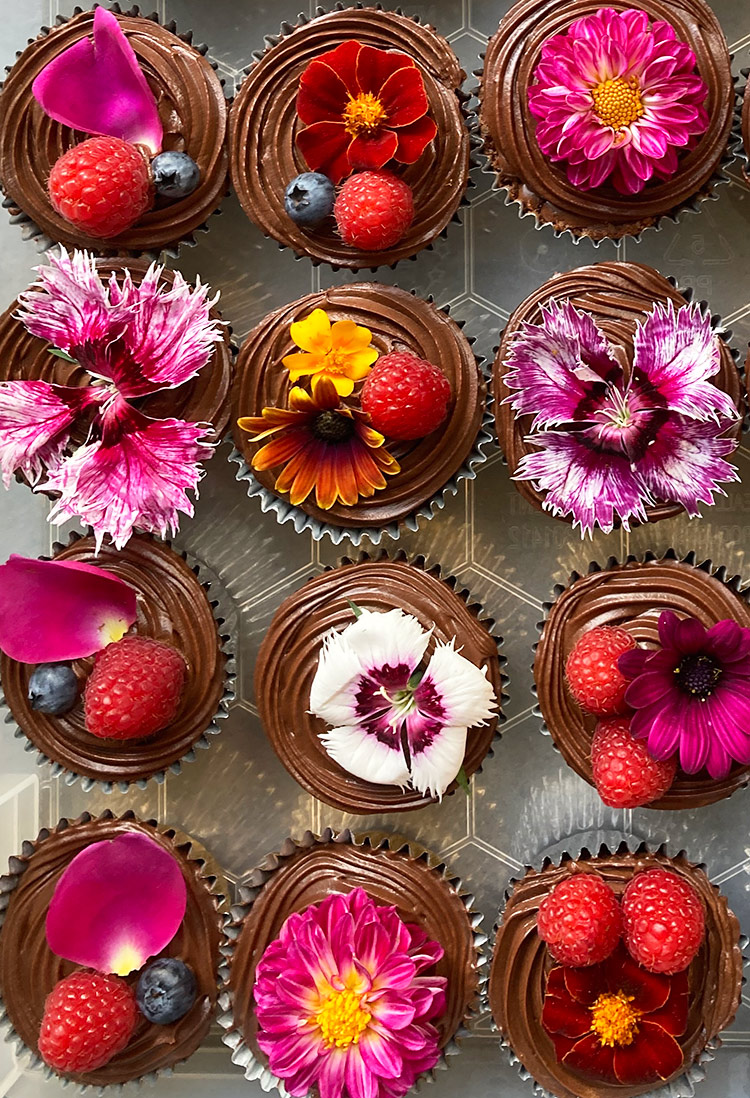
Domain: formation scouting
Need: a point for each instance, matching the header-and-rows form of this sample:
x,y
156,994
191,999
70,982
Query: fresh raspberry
x,y
580,920
595,680
625,775
373,210
102,186
134,689
87,1020
406,396
663,921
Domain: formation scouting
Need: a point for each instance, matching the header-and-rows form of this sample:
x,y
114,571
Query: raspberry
x,y
102,186
405,396
134,689
87,1020
580,920
373,210
625,775
663,921
593,676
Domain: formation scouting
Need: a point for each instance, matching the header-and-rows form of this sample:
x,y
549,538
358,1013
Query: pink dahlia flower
x,y
343,1002
616,98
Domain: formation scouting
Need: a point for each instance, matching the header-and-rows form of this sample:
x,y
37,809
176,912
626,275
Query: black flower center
x,y
333,427
698,675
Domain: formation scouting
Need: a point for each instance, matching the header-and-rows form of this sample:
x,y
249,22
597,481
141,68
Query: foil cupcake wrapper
x,y
215,882
242,1054
737,139
684,1086
222,612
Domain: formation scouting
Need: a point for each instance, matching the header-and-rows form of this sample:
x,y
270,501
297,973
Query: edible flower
x,y
615,1021
616,98
608,440
692,694
362,107
345,1000
117,903
323,446
341,352
395,723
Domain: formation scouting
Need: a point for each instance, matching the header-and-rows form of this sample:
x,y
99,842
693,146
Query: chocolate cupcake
x,y
621,164
412,475
172,607
632,596
29,969
192,112
264,127
589,435
520,979
413,888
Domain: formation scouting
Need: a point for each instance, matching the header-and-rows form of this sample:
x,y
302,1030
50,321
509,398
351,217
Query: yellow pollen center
x,y
618,102
342,1019
614,1020
363,113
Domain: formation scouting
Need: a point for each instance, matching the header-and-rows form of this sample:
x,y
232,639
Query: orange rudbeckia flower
x,y
341,352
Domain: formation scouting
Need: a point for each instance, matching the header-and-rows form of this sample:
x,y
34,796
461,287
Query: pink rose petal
x,y
118,903
60,610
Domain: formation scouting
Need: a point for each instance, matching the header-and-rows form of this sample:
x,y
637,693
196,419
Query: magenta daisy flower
x,y
692,695
616,98
344,999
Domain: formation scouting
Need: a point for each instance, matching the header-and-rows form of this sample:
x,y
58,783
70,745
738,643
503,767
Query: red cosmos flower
x,y
616,1021
362,107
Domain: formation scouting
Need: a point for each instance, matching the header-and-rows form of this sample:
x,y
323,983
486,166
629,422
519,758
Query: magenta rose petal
x,y
117,904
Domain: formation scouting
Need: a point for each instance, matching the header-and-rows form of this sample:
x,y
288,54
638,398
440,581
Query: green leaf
x,y
416,678
355,609
463,781
61,354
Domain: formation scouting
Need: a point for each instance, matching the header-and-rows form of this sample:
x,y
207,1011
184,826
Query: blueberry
x,y
53,688
166,990
309,198
175,174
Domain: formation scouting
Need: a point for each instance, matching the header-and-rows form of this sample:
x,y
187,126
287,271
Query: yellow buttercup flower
x,y
341,352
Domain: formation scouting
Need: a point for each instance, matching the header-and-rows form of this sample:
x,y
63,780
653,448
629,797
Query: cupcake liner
x,y
737,138
684,1085
242,1054
673,800
29,228
287,512
221,606
211,875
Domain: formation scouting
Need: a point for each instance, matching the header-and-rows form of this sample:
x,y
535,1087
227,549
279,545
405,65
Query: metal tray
x,y
236,798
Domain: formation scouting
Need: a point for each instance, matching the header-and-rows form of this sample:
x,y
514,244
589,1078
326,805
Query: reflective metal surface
x,y
236,798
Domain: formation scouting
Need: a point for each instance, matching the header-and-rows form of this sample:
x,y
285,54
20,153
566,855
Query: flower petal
x,y
35,422
323,92
593,1058
367,756
313,333
653,1055
436,754
370,152
325,148
455,690
565,1017
404,97
685,463
414,139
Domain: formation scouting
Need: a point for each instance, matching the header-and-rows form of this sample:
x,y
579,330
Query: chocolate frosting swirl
x,y
192,109
421,895
632,596
618,296
263,123
520,964
398,322
29,969
172,607
288,659
542,187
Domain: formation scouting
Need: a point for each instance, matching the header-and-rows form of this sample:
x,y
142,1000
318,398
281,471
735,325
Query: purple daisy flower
x,y
692,695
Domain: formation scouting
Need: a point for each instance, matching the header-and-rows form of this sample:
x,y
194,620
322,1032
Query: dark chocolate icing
x,y
399,321
192,109
263,124
173,607
29,969
617,296
520,964
288,659
542,187
632,596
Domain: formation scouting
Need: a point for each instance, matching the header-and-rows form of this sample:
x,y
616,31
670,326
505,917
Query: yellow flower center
x,y
338,363
342,1019
618,102
614,1020
363,113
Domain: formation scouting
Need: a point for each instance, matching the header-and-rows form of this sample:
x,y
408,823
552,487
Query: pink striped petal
x,y
35,424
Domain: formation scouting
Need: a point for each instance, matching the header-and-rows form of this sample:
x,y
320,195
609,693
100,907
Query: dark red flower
x,y
362,107
616,1021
